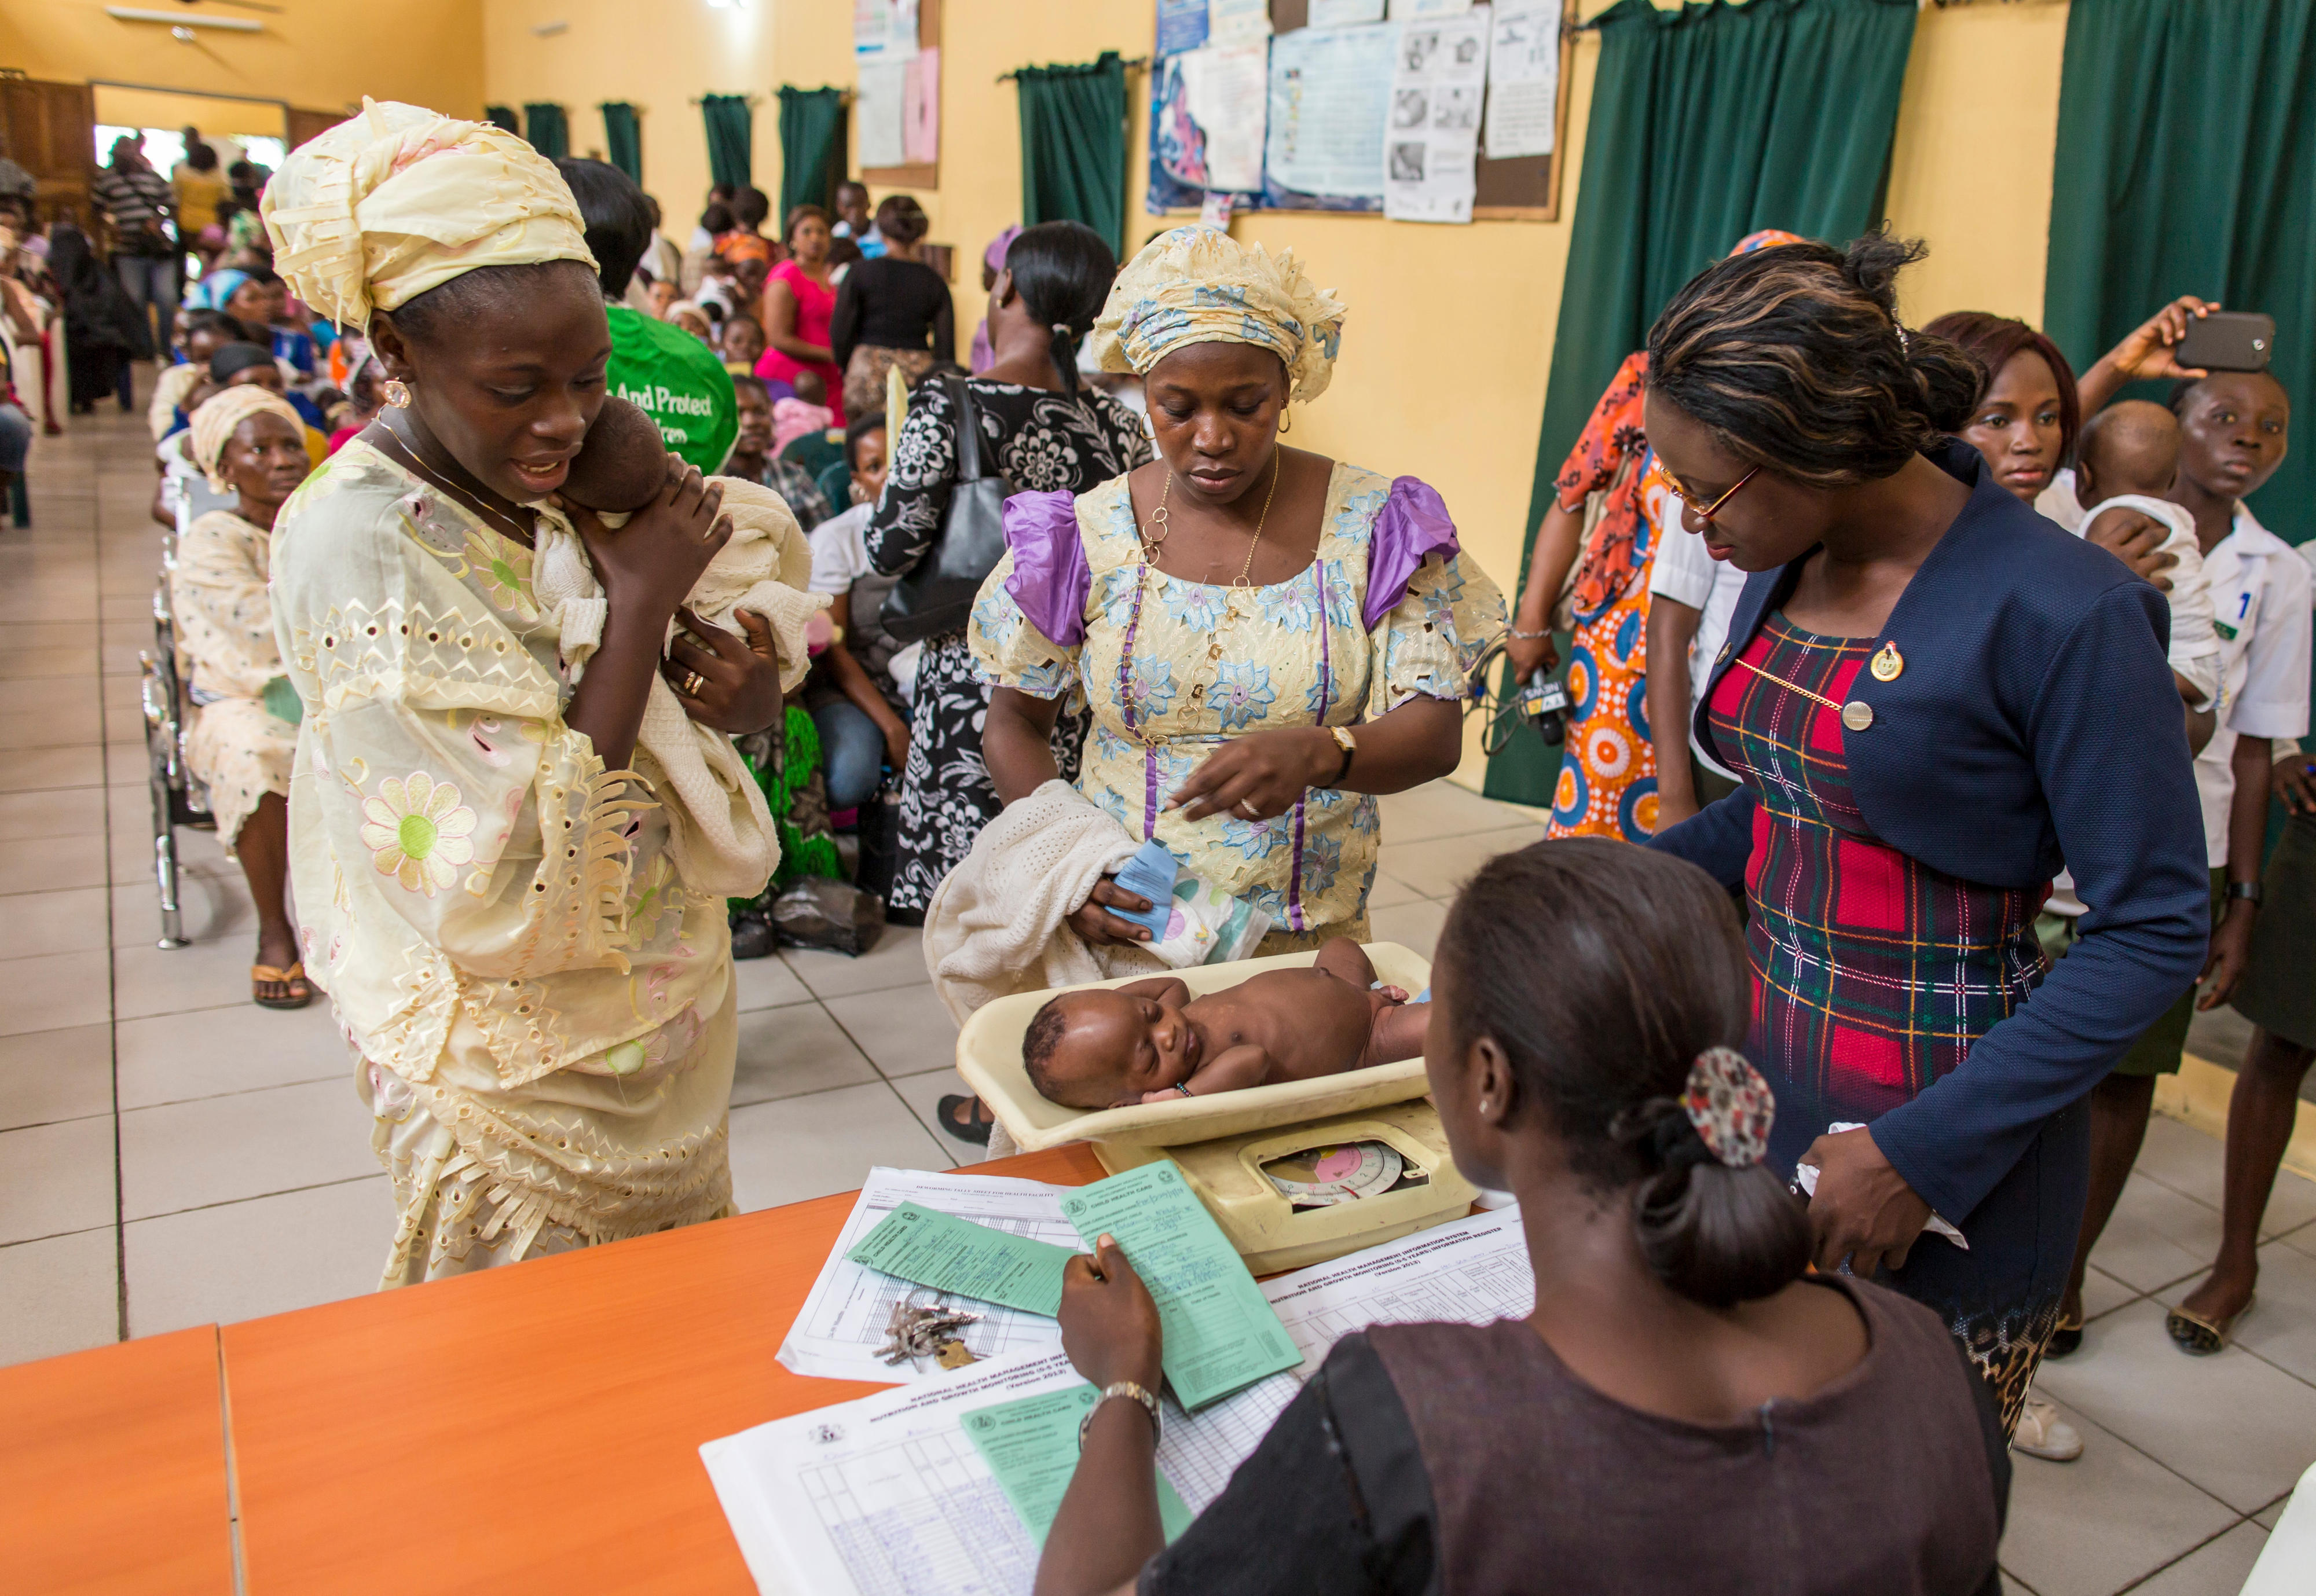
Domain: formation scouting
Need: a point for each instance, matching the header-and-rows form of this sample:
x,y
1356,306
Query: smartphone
x,y
2227,340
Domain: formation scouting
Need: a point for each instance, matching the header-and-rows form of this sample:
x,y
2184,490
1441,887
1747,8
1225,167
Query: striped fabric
x,y
1874,972
132,198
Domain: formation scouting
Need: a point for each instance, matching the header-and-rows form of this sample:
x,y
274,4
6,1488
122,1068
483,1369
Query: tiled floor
x,y
171,1155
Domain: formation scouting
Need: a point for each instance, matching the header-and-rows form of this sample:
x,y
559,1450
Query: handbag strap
x,y
969,430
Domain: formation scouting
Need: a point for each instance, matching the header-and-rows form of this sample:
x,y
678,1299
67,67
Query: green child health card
x,y
1221,1333
1031,1446
957,1256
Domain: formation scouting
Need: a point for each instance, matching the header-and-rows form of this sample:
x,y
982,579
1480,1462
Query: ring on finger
x,y
1246,807
692,682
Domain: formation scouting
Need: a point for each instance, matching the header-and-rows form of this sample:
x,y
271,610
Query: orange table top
x,y
535,1428
112,1474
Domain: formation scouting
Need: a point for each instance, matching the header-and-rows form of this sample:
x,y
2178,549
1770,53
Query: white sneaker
x,y
2043,1433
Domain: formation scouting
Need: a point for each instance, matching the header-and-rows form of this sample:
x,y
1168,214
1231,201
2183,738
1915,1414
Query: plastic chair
x,y
178,799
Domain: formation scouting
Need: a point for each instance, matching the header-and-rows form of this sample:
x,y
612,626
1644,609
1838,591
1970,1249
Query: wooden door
x,y
305,124
50,129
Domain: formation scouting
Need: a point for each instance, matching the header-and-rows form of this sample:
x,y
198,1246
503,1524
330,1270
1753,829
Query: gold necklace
x,y
1276,466
1856,714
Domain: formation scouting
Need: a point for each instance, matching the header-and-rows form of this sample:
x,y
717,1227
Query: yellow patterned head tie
x,y
400,199
221,415
1199,285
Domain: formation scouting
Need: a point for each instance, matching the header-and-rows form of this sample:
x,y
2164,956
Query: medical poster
x,y
1403,11
880,110
1183,25
1523,83
884,28
1330,101
1344,13
920,109
1432,146
1231,23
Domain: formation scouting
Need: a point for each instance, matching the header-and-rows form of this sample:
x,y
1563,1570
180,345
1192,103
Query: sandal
x,y
2066,1338
970,1125
294,978
2201,1337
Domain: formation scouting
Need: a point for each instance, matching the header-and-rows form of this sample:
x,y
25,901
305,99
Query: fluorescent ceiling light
x,y
179,19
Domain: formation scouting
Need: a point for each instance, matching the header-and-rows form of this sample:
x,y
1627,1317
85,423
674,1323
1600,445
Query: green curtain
x,y
544,125
502,116
730,136
1708,122
1073,146
623,138
2187,165
812,147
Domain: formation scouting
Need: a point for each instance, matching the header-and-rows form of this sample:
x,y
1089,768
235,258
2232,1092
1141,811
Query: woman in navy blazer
x,y
1936,698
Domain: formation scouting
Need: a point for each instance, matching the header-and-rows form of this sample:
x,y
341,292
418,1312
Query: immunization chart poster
x,y
1432,146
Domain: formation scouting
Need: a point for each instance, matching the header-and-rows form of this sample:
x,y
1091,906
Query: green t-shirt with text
x,y
676,380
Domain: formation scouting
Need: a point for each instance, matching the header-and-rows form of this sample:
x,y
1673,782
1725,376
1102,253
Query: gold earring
x,y
397,393
1285,420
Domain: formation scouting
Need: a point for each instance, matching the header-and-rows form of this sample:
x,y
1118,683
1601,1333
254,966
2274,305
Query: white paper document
x,y
1223,89
880,110
884,27
843,1321
886,1497
1343,14
1469,1272
1403,10
1439,75
1524,83
1231,22
1330,98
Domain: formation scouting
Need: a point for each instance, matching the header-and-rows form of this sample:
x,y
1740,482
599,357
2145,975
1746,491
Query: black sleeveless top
x,y
1466,1460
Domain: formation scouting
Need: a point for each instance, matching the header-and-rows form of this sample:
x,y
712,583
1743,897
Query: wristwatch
x,y
1121,1389
1350,745
2247,890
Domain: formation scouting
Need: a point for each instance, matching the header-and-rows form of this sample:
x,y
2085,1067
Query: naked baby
x,y
1151,1040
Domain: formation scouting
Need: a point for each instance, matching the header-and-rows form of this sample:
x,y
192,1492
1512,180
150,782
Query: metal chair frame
x,y
179,799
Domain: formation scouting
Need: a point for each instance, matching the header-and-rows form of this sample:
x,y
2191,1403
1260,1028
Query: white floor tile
x,y
51,863
1388,892
34,769
785,1052
2103,1293
2265,1517
181,1156
904,1032
1413,926
269,1254
2217,1568
2155,1236
2281,1327
2114,1515
898,960
164,1058
72,920
923,1094
766,983
2132,1381
47,1076
60,1295
57,812
1442,809
212,906
50,991
1440,867
54,1179
2194,1165
810,1147
156,980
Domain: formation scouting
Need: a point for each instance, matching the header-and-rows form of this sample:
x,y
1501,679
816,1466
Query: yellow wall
x,y
319,54
1451,332
213,114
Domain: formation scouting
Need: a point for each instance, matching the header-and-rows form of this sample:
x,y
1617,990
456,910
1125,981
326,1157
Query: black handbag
x,y
937,595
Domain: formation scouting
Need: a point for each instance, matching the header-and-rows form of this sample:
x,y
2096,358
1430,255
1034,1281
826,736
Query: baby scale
x,y
1335,1140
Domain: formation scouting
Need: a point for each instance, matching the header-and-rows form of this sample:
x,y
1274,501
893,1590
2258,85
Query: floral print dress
x,y
543,1007
1039,441
1174,668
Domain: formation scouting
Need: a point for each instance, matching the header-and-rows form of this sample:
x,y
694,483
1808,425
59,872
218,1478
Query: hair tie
x,y
1731,1106
1905,344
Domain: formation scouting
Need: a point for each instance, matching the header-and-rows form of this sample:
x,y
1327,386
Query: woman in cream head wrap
x,y
1270,638
494,902
243,735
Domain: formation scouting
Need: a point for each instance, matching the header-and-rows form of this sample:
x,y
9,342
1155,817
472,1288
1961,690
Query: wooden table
x,y
112,1470
535,1428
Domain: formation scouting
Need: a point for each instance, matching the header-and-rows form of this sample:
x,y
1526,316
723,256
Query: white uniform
x,y
2260,587
1683,572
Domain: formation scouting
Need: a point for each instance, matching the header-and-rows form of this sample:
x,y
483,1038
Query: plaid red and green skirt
x,y
1874,974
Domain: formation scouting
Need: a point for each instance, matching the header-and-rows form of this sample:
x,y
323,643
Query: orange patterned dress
x,y
1607,785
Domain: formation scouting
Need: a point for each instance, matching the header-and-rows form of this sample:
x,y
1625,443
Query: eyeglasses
x,y
1705,513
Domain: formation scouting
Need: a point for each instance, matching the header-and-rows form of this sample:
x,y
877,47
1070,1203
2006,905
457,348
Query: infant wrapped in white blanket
x,y
724,843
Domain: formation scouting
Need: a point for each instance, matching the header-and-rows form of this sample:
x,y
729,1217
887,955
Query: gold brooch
x,y
1888,663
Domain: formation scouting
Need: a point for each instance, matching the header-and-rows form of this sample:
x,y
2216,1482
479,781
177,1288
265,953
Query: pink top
x,y
814,304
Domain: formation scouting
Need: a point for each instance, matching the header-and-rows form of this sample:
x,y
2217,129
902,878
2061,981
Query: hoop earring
x,y
1285,420
396,393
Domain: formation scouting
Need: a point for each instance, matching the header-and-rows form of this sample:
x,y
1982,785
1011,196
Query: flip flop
x,y
970,1127
294,977
2200,1337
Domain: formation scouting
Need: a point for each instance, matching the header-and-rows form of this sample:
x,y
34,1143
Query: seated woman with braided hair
x,y
1816,1434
